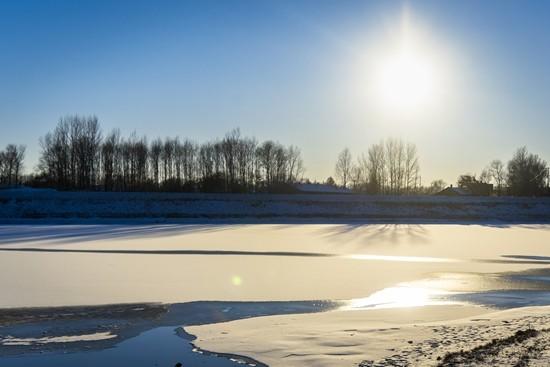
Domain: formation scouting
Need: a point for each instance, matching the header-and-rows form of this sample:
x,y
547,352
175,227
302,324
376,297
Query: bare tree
x,y
189,160
395,163
376,164
343,167
85,140
155,152
229,149
498,174
167,157
18,166
280,164
179,158
266,158
295,164
55,160
206,160
109,159
412,168
70,154
485,176
360,174
11,164
140,157
356,177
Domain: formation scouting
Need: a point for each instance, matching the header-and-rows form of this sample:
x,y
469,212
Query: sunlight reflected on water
x,y
416,294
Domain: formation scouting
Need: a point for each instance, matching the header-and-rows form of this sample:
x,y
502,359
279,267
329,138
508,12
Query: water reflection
x,y
414,294
501,290
156,347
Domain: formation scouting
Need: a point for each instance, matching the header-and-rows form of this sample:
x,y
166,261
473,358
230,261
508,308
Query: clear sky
x,y
299,72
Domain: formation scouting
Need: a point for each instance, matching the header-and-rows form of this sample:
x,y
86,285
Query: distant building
x,y
480,188
470,189
453,191
317,188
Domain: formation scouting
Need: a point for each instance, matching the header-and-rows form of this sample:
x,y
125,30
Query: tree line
x,y
525,174
76,156
392,167
389,167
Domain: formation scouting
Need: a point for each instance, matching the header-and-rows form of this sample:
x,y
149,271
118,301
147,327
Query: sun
x,y
406,77
405,81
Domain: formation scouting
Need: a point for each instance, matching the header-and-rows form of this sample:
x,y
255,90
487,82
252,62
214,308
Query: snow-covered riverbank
x,y
421,336
26,205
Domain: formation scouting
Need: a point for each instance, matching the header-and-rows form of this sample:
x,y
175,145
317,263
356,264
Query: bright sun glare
x,y
406,81
404,295
406,75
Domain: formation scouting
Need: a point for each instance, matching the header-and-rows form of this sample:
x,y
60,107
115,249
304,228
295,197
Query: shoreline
x,y
370,338
426,335
27,332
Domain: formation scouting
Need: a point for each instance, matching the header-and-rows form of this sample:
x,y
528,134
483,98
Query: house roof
x,y
454,191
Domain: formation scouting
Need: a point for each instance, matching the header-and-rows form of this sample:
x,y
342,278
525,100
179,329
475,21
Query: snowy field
x,y
17,206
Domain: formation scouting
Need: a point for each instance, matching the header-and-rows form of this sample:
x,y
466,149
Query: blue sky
x,y
291,71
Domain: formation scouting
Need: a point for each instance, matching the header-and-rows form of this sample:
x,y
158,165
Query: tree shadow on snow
x,y
63,234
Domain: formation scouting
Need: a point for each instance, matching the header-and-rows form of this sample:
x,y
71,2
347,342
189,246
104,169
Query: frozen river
x,y
102,264
354,266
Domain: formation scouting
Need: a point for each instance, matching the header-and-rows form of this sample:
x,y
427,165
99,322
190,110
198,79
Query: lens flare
x,y
236,280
